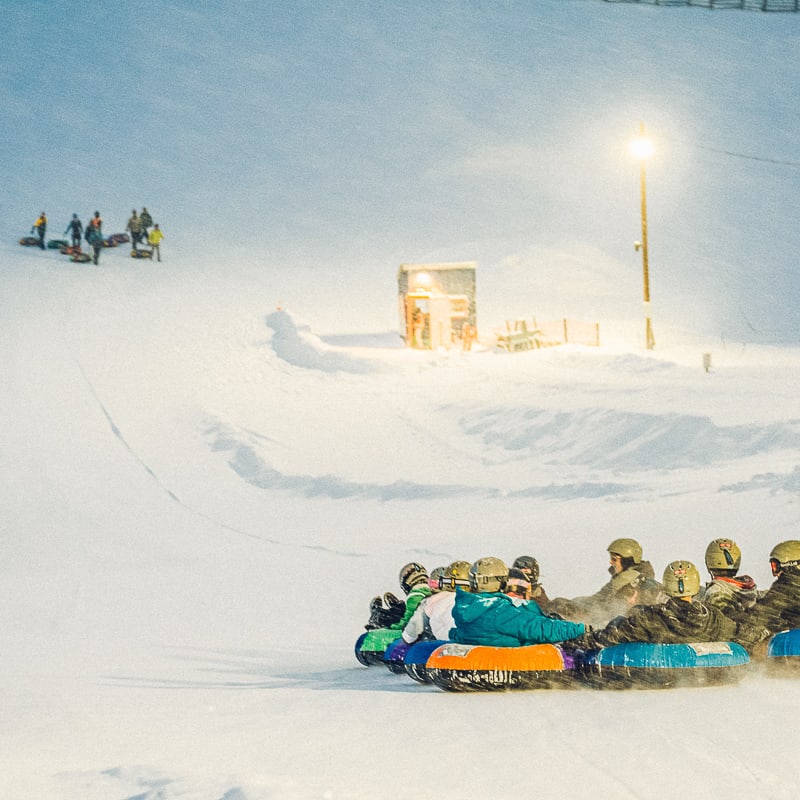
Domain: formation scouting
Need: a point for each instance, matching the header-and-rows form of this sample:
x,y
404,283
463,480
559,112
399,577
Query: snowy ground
x,y
201,495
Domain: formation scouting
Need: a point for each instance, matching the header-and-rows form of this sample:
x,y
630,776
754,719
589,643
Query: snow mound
x,y
294,343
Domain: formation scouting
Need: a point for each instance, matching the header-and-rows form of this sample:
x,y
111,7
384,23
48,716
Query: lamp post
x,y
642,149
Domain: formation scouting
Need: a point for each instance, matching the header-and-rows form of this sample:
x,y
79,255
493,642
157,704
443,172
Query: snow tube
x,y
141,254
416,659
394,656
56,244
119,238
371,646
651,666
783,653
29,241
465,667
80,258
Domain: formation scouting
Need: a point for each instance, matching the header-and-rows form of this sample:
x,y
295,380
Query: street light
x,y
642,148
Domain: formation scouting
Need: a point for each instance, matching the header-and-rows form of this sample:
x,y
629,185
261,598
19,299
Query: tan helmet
x,y
681,579
456,574
785,555
627,548
488,575
723,554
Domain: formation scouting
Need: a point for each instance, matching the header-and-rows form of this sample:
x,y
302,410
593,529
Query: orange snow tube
x,y
465,667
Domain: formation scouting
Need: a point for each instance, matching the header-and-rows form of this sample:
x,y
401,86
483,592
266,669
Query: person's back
x,y
727,591
682,618
779,608
487,616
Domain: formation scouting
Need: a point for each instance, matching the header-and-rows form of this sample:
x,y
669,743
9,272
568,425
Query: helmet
x,y
411,575
435,579
681,579
785,555
488,575
530,566
517,583
627,548
457,574
723,554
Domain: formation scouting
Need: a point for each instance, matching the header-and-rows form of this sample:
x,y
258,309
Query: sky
x,y
337,140
202,492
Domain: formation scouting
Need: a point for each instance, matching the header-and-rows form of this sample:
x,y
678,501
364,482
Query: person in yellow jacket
x,y
154,240
39,227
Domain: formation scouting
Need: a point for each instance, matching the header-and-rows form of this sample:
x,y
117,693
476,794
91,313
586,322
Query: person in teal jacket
x,y
486,616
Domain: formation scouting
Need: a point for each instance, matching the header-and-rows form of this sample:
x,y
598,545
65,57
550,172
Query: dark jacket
x,y
730,595
673,622
779,608
492,618
606,604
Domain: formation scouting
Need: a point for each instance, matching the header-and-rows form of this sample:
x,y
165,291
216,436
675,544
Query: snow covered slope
x,y
201,491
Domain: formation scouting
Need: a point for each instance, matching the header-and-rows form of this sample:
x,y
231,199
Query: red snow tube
x,y
465,667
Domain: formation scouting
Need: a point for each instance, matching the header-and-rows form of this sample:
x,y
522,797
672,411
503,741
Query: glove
x,y
586,641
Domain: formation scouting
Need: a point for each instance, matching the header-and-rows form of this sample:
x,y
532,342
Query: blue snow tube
x,y
652,666
416,659
783,653
394,655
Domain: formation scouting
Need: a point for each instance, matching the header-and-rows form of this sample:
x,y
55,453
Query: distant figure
x,y
40,228
94,236
75,231
135,227
154,240
146,221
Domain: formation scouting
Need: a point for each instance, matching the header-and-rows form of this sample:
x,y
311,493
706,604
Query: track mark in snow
x,y
119,436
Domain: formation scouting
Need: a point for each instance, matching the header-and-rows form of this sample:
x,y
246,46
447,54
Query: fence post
x,y
566,335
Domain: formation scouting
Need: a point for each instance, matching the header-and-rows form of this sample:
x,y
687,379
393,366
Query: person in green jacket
x,y
414,582
487,616
390,611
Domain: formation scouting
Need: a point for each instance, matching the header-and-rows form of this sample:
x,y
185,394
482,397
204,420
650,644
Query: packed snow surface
x,y
210,465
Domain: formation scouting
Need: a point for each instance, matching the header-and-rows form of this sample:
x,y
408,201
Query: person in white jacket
x,y
433,618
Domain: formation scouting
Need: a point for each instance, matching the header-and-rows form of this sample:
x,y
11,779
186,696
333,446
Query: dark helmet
x,y
435,579
517,583
412,574
530,566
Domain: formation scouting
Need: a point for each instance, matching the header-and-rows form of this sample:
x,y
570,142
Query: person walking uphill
x,y
75,231
147,222
135,227
40,228
94,236
486,616
154,240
